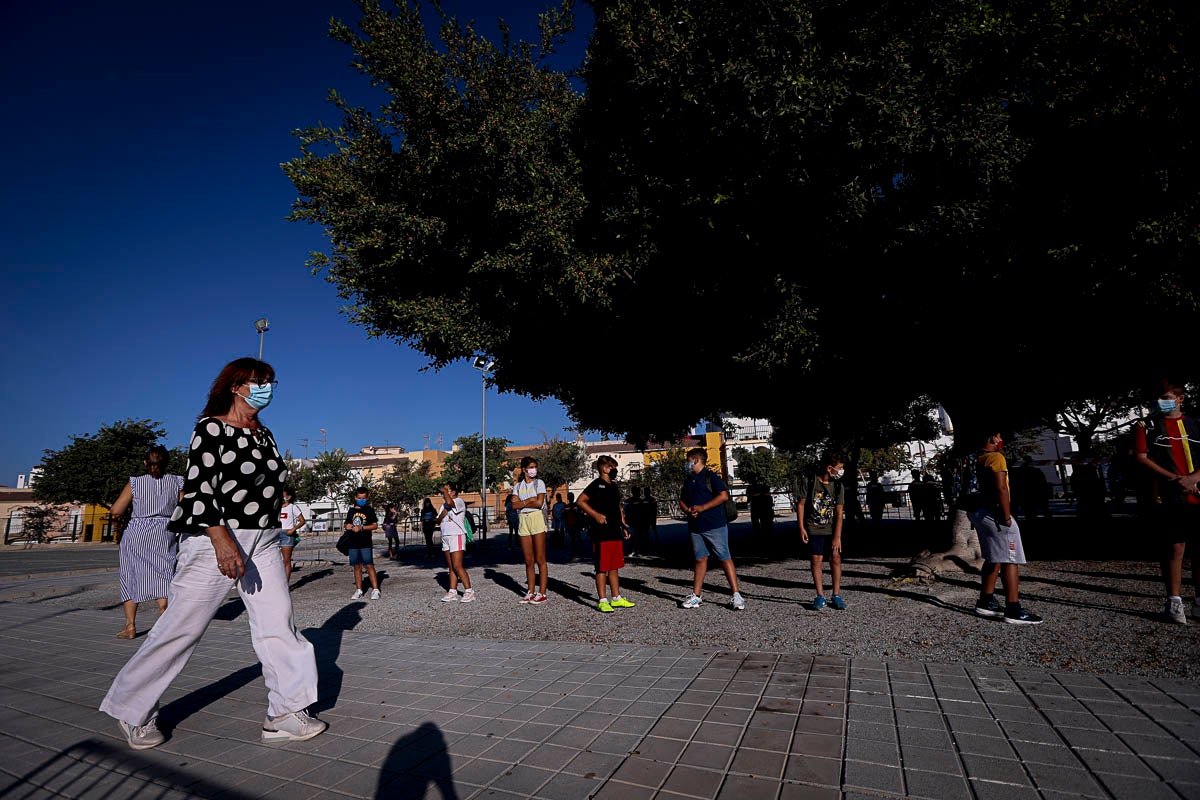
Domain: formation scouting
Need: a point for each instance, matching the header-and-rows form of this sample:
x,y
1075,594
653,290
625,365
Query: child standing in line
x,y
819,513
601,501
454,542
529,498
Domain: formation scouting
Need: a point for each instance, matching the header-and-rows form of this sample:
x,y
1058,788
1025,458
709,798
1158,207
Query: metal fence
x,y
71,529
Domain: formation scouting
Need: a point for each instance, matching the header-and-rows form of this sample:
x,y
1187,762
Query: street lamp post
x,y
485,366
262,326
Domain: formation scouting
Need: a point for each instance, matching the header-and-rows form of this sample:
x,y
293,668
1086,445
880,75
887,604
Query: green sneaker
x,y
605,606
621,602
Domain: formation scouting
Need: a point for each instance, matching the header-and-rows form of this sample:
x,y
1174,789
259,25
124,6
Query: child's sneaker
x,y
838,603
621,602
538,599
990,607
358,593
468,596
692,601
528,598
737,602
1173,612
451,596
375,594
1019,616
605,606
819,603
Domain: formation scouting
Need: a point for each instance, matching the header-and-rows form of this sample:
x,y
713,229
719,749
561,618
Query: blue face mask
x,y
359,502
1166,406
260,396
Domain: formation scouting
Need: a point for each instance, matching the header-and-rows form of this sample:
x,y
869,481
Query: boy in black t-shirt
x,y
819,514
601,502
361,522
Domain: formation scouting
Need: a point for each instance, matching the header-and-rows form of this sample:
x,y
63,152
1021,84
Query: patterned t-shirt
x,y
820,502
234,478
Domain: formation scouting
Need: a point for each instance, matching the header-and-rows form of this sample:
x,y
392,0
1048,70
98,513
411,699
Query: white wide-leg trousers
x,y
289,664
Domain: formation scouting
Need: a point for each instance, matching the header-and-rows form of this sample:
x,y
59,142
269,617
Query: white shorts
x,y
454,543
998,544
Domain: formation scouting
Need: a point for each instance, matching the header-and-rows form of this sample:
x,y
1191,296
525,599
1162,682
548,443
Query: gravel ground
x,y
1100,614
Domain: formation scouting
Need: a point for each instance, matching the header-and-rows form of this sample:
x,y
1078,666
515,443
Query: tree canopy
x,y
875,202
94,467
464,468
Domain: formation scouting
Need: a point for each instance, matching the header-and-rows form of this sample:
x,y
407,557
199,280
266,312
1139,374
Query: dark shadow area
x,y
641,587
196,700
501,579
564,589
416,763
309,577
139,777
327,641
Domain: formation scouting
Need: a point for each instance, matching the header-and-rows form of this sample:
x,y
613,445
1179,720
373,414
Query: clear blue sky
x,y
143,224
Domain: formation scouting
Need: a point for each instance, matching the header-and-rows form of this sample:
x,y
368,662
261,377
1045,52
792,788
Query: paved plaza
x,y
459,718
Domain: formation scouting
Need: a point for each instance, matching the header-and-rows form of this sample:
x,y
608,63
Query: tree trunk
x,y
964,554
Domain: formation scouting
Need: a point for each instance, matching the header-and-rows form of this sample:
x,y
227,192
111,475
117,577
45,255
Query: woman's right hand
x,y
229,557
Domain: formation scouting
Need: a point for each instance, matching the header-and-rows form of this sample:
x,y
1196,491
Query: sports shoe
x,y
990,607
819,603
605,606
297,726
838,603
358,593
528,598
375,594
737,602
538,599
692,601
1019,616
451,596
621,602
142,737
1174,611
468,596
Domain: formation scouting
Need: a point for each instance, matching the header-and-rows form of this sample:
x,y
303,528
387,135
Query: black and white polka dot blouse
x,y
234,478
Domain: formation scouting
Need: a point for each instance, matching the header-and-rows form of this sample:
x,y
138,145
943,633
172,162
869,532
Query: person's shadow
x,y
415,761
327,642
504,580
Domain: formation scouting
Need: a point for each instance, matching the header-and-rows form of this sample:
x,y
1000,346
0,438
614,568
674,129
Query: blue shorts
x,y
288,540
819,545
361,555
714,543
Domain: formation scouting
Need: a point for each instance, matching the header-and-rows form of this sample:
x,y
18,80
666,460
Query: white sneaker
x,y
450,597
468,596
142,737
375,594
738,603
1174,612
358,593
692,601
297,726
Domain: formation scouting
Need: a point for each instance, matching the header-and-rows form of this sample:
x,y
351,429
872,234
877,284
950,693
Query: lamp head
x,y
261,325
483,364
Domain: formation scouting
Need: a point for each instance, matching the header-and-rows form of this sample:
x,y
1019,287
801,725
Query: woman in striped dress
x,y
147,549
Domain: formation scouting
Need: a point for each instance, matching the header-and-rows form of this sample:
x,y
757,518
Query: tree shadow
x,y
327,642
416,763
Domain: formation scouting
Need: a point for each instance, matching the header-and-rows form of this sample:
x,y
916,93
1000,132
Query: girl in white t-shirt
x,y
291,520
453,520
529,500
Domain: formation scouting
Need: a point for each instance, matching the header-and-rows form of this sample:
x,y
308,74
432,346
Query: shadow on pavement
x,y
417,763
327,641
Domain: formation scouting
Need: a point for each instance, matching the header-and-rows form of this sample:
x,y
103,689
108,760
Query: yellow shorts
x,y
532,524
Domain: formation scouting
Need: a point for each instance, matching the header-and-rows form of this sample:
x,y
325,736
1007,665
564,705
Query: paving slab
x,y
465,718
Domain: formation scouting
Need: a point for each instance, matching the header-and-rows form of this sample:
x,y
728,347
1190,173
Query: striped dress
x,y
147,549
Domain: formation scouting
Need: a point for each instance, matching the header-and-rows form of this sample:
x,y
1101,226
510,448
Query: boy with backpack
x,y
819,513
702,498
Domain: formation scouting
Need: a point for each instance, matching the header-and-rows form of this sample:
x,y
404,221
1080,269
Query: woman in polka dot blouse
x,y
229,523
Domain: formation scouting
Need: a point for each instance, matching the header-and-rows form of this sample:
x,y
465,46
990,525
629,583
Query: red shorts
x,y
608,555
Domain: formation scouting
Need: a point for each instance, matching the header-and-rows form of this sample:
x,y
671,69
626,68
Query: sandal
x,y
128,632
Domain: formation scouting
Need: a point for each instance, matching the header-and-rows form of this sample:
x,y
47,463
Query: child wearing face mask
x,y
819,513
601,501
529,499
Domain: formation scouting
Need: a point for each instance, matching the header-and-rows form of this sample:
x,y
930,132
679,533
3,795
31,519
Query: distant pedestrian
x,y
762,509
702,498
453,519
820,514
601,501
291,520
513,518
639,525
529,499
229,521
999,536
1167,444
573,518
361,522
558,522
147,549
429,523
391,518
651,506
875,498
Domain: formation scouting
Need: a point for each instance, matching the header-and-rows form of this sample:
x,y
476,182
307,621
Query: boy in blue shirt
x,y
702,498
